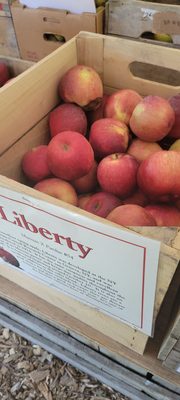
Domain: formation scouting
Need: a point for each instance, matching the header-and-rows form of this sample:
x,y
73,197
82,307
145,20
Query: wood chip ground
x,y
28,372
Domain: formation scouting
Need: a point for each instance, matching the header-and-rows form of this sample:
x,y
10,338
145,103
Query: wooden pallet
x,y
121,377
133,18
91,337
169,351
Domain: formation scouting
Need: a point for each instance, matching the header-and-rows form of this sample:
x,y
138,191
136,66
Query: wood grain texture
x,y
33,94
73,351
122,14
61,320
15,65
170,348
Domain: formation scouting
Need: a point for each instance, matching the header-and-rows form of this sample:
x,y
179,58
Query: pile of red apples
x,y
116,156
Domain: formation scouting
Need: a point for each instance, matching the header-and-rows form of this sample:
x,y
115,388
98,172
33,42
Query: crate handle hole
x,y
155,73
54,37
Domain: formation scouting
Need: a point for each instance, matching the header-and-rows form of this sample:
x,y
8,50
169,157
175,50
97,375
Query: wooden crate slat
x,y
172,337
70,350
33,90
57,318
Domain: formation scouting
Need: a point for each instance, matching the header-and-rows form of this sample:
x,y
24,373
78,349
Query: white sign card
x,y
74,6
100,265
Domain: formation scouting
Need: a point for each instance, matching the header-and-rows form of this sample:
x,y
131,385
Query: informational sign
x,y
101,265
74,6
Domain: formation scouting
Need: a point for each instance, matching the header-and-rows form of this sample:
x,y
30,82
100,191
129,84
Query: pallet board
x,y
52,315
169,351
121,378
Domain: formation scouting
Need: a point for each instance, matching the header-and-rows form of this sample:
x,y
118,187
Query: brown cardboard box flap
x,y
168,22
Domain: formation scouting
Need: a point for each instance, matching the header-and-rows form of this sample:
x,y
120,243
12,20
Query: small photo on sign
x,y
9,258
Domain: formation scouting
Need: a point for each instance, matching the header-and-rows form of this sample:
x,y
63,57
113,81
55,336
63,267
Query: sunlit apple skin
x,y
117,174
81,85
141,149
131,215
152,119
59,189
121,104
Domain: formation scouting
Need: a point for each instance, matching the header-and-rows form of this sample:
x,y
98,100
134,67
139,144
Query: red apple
x,y
175,104
164,215
121,104
83,86
4,73
59,189
138,197
83,199
98,113
141,149
108,136
70,155
131,215
88,182
117,173
152,119
35,164
159,175
67,117
102,203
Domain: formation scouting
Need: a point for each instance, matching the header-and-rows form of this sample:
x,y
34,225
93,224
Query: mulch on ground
x,y
28,372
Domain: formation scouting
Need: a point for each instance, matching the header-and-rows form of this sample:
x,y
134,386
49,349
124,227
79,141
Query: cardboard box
x,y
40,31
29,99
141,19
73,6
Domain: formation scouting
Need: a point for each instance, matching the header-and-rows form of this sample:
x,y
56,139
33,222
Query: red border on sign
x,y
101,233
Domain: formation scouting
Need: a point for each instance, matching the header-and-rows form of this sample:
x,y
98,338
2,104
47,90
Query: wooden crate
x,y
134,18
169,351
15,65
105,54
